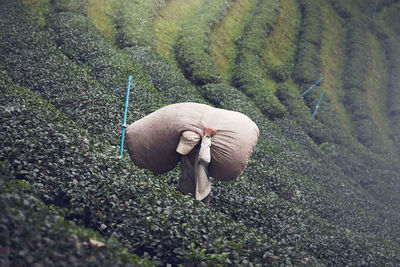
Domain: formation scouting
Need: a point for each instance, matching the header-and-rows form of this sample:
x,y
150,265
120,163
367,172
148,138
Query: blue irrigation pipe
x,y
317,106
126,111
305,92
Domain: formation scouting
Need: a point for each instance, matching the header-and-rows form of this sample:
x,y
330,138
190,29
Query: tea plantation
x,y
322,191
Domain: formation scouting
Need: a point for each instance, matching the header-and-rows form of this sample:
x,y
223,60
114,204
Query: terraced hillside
x,y
317,191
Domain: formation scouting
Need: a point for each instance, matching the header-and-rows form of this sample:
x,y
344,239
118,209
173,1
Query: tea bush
x,y
78,6
249,74
306,69
30,228
165,77
192,46
133,20
297,203
392,56
280,73
81,42
275,152
32,59
147,214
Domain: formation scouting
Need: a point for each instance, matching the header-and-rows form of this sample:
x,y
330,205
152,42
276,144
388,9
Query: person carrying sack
x,y
195,160
208,141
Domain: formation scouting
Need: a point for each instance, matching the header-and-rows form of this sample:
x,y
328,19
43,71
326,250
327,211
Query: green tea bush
x,y
32,59
165,77
355,70
192,46
280,73
133,20
249,74
78,6
356,61
81,42
30,228
306,69
392,53
293,101
343,7
275,168
293,205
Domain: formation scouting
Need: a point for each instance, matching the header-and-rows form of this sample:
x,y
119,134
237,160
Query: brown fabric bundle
x,y
152,140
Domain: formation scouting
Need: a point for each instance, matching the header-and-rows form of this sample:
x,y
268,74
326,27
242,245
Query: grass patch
x,y
375,88
168,23
332,59
225,35
100,13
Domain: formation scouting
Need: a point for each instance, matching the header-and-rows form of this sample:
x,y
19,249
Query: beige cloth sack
x,y
152,140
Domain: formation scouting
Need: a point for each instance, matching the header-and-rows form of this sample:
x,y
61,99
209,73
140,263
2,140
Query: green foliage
x,y
78,6
297,203
165,77
306,70
192,47
82,43
249,74
132,21
280,73
392,51
356,55
292,100
32,59
353,82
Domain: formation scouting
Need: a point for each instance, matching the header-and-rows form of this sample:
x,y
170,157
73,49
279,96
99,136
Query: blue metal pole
x,y
126,111
312,86
317,106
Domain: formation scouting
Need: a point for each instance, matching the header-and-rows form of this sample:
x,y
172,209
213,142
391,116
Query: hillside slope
x,y
317,191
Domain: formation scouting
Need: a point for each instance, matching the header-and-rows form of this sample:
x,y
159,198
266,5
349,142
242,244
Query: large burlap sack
x,y
152,140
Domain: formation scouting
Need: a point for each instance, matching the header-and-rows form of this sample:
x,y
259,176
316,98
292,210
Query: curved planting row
x,y
390,36
226,33
267,173
33,60
133,22
306,70
192,46
165,77
355,71
168,23
249,73
78,39
393,52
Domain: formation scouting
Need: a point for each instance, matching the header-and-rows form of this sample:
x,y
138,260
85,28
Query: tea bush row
x,y
349,9
249,74
192,46
133,22
30,228
165,77
32,59
306,70
82,43
355,69
78,6
147,214
392,52
275,152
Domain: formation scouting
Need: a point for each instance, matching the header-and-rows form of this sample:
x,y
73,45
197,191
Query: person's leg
x,y
207,200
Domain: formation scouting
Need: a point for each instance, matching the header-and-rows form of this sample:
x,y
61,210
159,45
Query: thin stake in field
x,y
125,112
315,84
317,106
